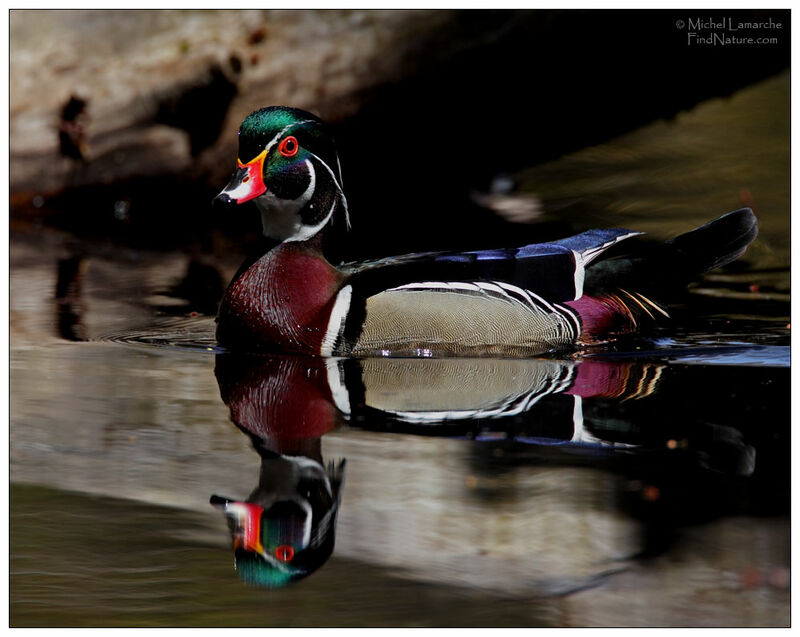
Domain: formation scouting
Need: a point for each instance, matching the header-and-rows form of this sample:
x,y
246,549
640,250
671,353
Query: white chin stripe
x,y
336,321
240,192
280,218
306,232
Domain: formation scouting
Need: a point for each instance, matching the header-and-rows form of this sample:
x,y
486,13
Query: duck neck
x,y
319,217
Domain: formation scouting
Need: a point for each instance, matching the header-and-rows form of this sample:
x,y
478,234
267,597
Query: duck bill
x,y
246,518
246,183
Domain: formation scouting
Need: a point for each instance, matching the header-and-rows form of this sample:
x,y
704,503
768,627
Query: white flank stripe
x,y
341,397
464,286
540,299
511,288
526,296
441,285
492,287
572,316
497,287
428,285
336,321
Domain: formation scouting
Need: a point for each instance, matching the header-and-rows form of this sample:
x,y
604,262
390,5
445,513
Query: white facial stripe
x,y
338,185
283,131
336,321
333,175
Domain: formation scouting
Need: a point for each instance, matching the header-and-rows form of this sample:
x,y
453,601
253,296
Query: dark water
x,y
644,484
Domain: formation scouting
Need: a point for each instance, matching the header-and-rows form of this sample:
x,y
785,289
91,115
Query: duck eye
x,y
284,553
288,147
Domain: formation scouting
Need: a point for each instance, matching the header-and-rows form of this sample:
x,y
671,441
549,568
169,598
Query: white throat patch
x,y
280,218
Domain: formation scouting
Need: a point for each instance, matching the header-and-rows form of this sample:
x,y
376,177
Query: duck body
x,y
513,302
293,299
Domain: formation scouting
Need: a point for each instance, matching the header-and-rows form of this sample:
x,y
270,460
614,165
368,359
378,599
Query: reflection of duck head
x,y
285,529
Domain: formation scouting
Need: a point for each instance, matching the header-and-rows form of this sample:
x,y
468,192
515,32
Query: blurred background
x,y
456,129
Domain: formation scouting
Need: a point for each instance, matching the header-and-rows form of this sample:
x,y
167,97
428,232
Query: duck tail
x,y
662,269
716,243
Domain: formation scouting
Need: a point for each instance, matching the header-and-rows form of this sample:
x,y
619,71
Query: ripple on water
x,y
183,332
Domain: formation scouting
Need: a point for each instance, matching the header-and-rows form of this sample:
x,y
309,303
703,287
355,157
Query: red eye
x,y
284,553
288,147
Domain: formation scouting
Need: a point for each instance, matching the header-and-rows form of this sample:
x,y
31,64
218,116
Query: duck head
x,y
288,166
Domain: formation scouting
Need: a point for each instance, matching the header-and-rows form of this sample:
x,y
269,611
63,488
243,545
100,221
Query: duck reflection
x,y
611,414
285,529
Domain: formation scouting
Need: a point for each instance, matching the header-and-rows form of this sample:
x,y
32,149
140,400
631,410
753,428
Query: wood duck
x,y
503,302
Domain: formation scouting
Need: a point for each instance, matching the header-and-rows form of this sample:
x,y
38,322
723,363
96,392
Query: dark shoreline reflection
x,y
689,442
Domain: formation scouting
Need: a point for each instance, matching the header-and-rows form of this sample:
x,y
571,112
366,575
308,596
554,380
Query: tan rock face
x,y
166,90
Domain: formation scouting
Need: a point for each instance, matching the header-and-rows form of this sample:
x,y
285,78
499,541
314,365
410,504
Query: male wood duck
x,y
503,302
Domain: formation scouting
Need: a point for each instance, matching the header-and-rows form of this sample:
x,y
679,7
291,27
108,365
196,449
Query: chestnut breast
x,y
282,302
